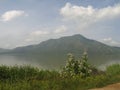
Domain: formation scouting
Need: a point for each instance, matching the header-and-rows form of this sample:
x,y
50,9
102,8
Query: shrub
x,y
14,73
77,67
113,69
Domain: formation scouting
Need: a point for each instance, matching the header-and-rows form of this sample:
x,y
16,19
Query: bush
x,y
14,73
113,69
30,78
77,67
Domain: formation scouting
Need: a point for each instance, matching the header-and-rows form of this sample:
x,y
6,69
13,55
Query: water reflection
x,y
11,60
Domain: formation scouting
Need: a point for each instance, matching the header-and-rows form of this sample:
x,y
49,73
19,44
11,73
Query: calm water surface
x,y
11,60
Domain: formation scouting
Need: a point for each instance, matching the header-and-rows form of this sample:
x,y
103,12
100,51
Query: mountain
x,y
54,51
3,50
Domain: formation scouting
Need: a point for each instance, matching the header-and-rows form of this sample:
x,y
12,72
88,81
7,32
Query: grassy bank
x,y
30,78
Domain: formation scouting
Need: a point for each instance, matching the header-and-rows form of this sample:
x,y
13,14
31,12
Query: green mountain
x,y
54,51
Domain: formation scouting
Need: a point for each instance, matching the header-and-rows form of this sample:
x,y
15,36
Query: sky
x,y
26,22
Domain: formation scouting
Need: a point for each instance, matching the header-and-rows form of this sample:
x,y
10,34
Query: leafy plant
x,y
77,67
113,69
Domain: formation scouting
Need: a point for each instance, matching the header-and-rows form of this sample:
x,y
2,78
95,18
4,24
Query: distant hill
x,y
3,50
54,51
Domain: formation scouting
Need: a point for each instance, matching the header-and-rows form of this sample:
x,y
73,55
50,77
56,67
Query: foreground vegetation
x,y
76,75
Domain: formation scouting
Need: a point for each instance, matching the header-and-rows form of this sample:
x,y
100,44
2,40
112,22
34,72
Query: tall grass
x,y
113,69
31,78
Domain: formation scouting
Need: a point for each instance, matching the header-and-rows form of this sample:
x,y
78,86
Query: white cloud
x,y
38,33
60,29
28,40
107,39
89,14
111,42
44,33
9,15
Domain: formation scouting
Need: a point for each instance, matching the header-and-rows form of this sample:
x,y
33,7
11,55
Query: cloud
x,y
28,40
60,29
10,15
45,33
89,14
107,39
111,42
38,33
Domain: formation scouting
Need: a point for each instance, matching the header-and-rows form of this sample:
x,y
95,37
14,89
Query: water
x,y
106,64
11,60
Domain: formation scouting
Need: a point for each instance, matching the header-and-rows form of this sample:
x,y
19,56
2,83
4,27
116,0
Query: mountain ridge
x,y
54,51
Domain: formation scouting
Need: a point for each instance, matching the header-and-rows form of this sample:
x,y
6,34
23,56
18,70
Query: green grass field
x,y
31,78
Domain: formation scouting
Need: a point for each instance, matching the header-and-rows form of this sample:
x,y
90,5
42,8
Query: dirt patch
x,y
109,87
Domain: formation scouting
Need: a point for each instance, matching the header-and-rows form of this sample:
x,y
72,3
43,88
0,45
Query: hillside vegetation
x,y
76,75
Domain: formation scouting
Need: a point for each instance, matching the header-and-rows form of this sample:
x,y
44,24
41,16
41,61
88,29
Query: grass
x,y
31,78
